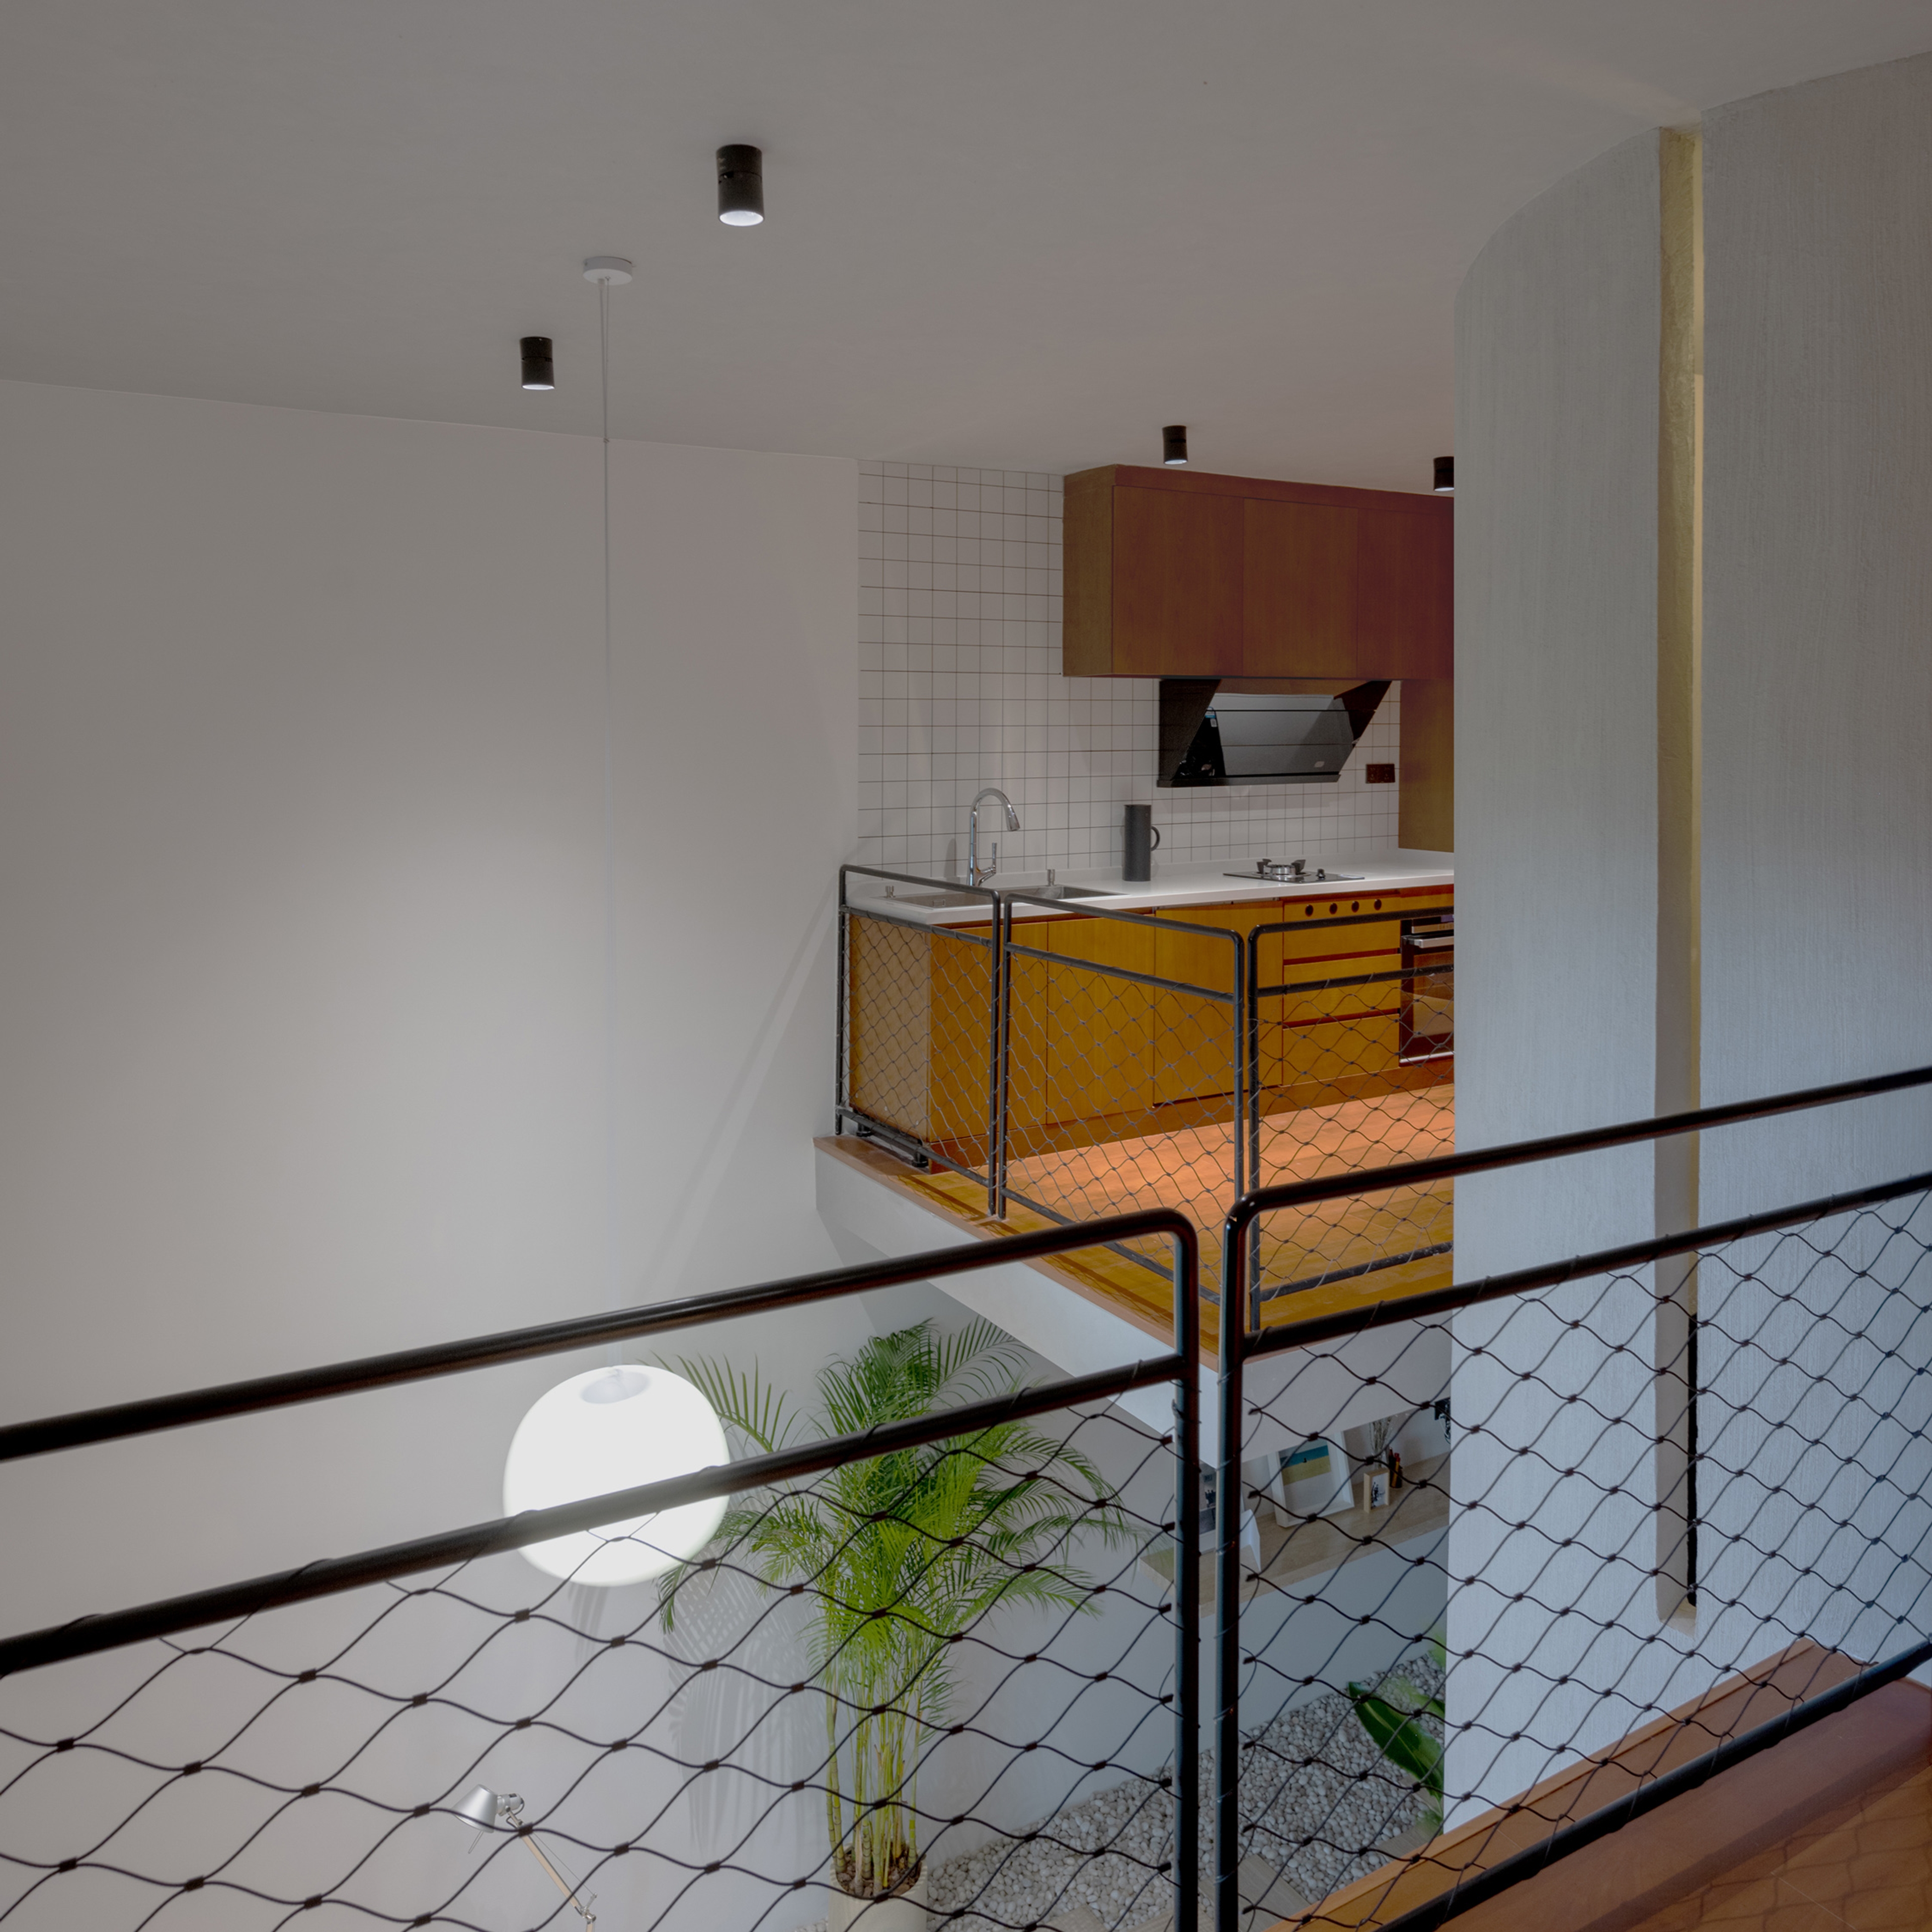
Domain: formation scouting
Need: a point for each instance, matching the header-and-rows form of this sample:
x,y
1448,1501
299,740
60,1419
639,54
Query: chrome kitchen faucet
x,y
977,875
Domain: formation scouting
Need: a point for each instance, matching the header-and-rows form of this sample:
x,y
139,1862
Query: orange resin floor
x,y
1193,1169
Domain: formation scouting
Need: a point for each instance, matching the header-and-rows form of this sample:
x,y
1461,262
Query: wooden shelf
x,y
1313,1546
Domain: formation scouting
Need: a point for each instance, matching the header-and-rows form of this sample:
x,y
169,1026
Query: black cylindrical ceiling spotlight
x,y
1173,446
741,186
539,364
1445,476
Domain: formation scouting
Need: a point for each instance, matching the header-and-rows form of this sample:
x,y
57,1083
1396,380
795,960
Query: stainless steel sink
x,y
960,901
941,901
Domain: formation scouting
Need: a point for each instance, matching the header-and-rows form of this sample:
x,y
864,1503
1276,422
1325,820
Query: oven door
x,y
1428,1024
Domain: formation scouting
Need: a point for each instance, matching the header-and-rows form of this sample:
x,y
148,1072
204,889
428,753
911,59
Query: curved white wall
x,y
1557,331
1817,869
1817,875
1556,689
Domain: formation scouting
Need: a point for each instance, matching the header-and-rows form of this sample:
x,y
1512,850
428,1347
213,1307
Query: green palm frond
x,y
743,1400
896,1555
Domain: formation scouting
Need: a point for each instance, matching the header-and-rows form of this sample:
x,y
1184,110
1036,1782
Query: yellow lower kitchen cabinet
x,y
1197,1037
1080,1048
1094,1054
1316,1065
920,1031
889,1022
960,1081
1328,1042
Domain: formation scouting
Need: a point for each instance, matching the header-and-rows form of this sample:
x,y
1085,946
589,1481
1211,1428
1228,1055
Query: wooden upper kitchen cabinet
x,y
1404,591
1158,574
1298,590
1177,574
1426,812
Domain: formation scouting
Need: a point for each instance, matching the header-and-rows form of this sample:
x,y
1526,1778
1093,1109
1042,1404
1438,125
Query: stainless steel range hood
x,y
1231,732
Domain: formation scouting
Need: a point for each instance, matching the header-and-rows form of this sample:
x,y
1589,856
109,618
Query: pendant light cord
x,y
612,1284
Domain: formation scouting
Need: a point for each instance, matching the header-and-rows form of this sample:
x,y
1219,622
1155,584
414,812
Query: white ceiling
x,y
1021,232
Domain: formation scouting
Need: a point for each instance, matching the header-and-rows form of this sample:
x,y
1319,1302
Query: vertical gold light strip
x,y
1680,496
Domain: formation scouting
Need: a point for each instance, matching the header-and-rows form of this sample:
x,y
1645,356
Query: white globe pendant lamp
x,y
609,1429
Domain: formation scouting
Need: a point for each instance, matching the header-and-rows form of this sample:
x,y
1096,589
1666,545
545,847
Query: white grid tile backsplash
x,y
959,687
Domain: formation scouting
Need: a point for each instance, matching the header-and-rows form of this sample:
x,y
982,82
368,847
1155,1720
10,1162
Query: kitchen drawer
x,y
1197,1040
1333,1051
1080,1045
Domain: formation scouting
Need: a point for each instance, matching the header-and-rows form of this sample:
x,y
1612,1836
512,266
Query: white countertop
x,y
1177,886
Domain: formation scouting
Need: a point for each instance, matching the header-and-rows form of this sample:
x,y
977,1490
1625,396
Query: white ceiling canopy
x,y
1023,232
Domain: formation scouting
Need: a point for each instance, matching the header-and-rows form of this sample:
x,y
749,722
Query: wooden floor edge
x,y
885,1170
1441,1853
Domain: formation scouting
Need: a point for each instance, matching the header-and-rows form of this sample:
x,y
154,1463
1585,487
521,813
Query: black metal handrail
x,y
1435,1301
1242,1338
85,1637
1553,1146
91,1635
154,1413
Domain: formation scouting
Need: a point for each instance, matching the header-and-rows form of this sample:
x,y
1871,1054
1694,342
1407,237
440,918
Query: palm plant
x,y
896,1555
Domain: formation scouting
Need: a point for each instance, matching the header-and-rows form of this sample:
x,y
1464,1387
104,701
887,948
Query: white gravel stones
x,y
1104,1853
1315,1790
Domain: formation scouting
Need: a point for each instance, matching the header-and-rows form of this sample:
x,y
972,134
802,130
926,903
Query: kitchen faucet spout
x,y
977,875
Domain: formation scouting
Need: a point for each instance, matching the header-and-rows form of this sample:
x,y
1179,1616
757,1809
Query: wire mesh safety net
x,y
1174,1057
1504,1567
950,1666
918,1003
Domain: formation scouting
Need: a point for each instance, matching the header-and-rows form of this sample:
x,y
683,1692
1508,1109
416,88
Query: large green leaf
x,y
1400,1735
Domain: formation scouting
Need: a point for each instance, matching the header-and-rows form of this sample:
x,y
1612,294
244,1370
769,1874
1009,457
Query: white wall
x,y
1817,775
1556,686
1818,619
304,976
303,966
1817,910
1557,330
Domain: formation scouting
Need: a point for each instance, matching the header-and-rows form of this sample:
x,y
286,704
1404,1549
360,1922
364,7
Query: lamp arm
x,y
582,1911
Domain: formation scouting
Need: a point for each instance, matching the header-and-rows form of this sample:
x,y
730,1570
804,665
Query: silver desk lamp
x,y
485,1809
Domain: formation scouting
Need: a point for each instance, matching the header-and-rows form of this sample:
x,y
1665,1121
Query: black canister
x,y
1137,863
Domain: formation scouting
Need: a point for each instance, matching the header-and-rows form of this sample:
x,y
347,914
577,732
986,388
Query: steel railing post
x,y
1228,1589
841,1085
1187,1585
1245,1173
1252,1028
1001,1045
